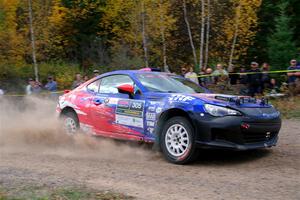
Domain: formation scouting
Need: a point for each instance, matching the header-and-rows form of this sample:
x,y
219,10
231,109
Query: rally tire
x,y
177,141
70,122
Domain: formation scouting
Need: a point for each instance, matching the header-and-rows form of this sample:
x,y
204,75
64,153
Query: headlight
x,y
219,111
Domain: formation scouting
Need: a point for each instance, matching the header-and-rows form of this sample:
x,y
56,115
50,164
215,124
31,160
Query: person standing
x,y
78,81
51,86
207,80
191,75
86,78
293,76
220,74
33,87
183,71
254,80
266,80
96,73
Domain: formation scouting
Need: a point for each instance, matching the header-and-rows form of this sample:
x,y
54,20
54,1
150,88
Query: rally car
x,y
169,111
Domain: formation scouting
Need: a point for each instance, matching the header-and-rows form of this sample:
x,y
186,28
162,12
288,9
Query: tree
x,y
281,47
202,35
207,34
189,31
238,37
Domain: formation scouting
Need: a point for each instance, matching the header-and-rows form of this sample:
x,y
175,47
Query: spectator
x,y
85,78
96,73
293,76
200,75
273,86
78,81
183,71
33,87
220,74
208,80
243,88
265,76
221,77
234,76
51,86
254,80
243,77
191,75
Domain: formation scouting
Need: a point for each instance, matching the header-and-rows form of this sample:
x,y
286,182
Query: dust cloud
x,y
30,124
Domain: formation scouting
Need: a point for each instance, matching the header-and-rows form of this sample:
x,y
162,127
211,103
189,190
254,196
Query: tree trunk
x,y
207,34
144,35
189,32
164,46
236,27
36,71
202,34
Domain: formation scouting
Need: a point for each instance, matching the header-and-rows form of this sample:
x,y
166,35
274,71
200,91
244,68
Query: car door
x,y
114,114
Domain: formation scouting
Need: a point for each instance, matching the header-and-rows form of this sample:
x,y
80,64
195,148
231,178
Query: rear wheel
x,y
70,122
177,141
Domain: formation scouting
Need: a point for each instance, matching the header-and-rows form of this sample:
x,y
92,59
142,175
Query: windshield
x,y
157,82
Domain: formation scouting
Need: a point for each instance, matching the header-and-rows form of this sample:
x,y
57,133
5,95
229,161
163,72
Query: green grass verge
x,y
67,193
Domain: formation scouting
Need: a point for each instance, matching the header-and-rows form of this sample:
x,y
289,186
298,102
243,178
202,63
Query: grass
x,y
67,193
289,108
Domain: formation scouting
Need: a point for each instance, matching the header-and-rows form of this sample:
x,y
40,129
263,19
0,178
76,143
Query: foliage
x,y
281,47
108,33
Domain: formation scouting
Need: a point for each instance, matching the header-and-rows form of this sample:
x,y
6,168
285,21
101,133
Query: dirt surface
x,y
34,151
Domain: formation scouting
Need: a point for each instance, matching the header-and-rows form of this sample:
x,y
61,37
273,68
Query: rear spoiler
x,y
243,99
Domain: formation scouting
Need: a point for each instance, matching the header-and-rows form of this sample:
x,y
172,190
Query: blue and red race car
x,y
170,111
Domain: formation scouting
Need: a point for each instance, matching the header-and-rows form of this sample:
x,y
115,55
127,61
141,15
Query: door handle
x,y
97,101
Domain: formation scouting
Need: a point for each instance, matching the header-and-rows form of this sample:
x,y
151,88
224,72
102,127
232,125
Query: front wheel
x,y
177,141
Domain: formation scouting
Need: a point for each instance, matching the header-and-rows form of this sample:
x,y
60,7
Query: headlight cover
x,y
219,111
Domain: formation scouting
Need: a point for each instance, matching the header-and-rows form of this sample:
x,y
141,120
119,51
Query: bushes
x,y
13,78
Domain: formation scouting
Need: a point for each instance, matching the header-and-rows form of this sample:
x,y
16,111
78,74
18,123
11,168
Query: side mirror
x,y
126,89
66,91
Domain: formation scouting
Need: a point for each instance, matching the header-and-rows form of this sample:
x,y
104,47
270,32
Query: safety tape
x,y
192,76
246,73
42,93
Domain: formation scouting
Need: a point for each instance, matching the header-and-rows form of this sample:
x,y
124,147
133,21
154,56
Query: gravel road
x,y
46,157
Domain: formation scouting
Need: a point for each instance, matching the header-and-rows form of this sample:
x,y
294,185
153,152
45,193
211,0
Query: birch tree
x,y
189,31
32,38
236,29
143,14
207,34
163,40
202,34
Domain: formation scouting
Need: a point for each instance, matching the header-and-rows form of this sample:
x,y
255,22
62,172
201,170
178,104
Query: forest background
x,y
71,36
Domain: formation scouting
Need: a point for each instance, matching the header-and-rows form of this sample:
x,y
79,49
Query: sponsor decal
x,y
151,108
150,123
130,112
129,121
150,116
181,98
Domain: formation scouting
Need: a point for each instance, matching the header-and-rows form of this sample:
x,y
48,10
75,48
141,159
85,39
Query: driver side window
x,y
109,84
94,86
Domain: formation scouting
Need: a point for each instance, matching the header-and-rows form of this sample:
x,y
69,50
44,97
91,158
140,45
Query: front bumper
x,y
236,132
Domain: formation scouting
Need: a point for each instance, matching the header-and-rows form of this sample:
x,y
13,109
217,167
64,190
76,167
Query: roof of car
x,y
131,72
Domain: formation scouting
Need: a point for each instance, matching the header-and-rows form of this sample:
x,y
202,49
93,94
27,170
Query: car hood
x,y
232,100
245,104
